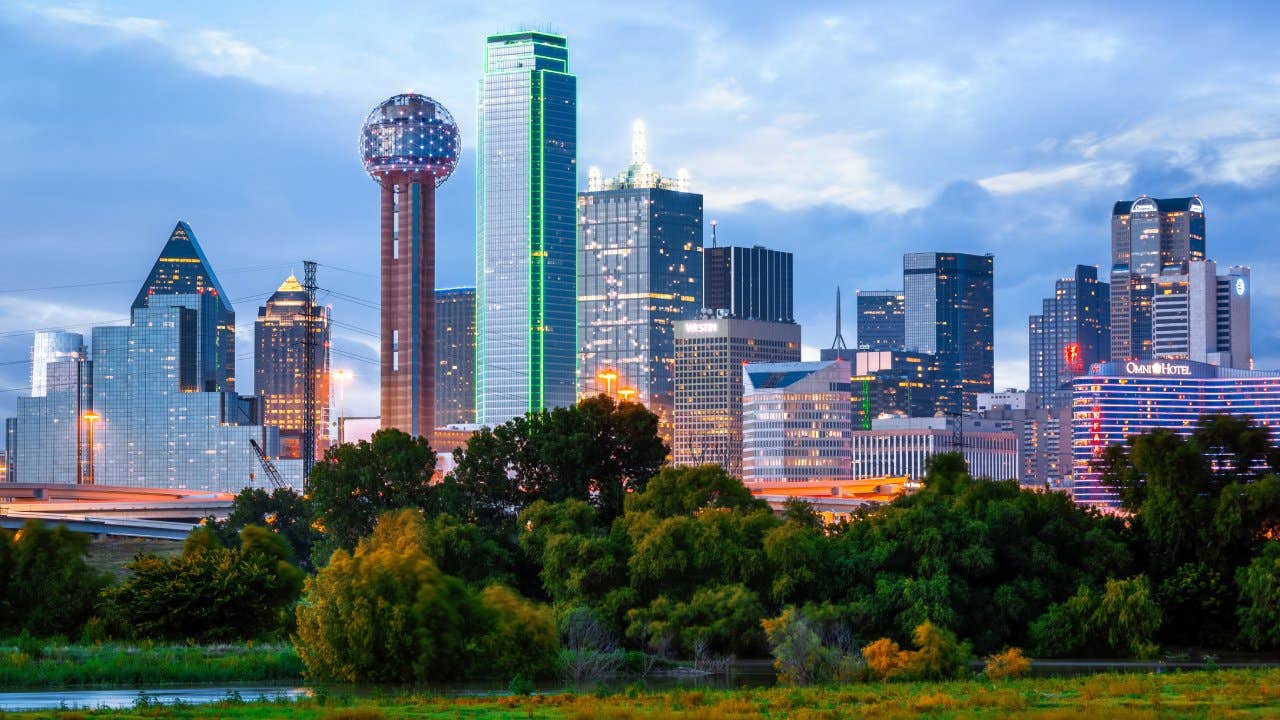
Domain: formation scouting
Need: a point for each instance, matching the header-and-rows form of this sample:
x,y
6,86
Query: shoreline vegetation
x,y
1213,693
29,664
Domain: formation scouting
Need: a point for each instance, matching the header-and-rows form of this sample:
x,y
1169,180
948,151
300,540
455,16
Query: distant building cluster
x,y
616,290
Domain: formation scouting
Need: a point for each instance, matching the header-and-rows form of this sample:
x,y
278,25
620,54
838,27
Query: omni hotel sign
x,y
1157,368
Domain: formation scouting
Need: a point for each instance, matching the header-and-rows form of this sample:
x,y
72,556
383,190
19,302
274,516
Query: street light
x,y
609,377
627,394
89,419
342,376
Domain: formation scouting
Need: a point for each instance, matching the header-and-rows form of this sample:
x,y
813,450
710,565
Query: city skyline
x,y
968,204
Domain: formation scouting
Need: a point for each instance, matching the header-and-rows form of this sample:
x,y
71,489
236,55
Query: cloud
x,y
212,52
26,315
790,163
1085,174
723,95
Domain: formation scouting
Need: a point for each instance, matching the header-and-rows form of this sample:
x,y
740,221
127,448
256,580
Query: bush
x,y
1008,664
884,658
938,655
1122,620
1259,608
209,593
799,654
47,587
522,639
385,613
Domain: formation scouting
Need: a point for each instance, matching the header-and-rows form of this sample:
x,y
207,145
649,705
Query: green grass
x,y
115,664
1217,694
113,554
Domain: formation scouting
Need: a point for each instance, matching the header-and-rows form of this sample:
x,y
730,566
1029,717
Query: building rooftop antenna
x,y
714,223
838,343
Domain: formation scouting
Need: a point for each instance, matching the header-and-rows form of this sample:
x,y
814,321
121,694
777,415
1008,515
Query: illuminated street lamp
x,y
342,376
609,377
627,394
89,419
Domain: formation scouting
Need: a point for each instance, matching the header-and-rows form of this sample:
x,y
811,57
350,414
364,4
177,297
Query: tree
x,y
685,491
1121,620
522,637
358,482
281,511
596,451
938,655
209,593
723,619
1010,663
49,588
1259,606
799,655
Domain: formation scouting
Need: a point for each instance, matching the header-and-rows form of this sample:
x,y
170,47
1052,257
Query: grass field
x,y
130,665
1202,694
112,554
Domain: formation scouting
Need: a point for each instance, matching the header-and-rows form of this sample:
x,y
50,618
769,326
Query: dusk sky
x,y
847,133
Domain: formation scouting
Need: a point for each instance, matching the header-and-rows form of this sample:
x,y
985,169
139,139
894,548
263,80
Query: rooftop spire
x,y
838,343
639,143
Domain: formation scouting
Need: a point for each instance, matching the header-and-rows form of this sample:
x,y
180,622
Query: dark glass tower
x,y
182,269
526,243
639,271
882,320
949,313
749,283
1072,331
455,356
409,145
1148,235
286,327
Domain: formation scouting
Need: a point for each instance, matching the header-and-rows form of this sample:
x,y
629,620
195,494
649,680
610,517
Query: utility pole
x,y
309,344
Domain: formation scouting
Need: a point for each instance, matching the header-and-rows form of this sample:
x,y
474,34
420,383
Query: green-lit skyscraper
x,y
526,275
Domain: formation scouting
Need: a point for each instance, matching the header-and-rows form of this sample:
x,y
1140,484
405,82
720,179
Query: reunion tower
x,y
409,145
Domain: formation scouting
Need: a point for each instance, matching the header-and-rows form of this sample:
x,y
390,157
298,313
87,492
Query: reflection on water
x,y
127,698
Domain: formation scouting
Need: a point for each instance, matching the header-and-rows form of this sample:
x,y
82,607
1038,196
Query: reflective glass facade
x,y
526,248
639,272
750,283
1119,399
1071,333
949,313
283,333
157,428
52,346
455,356
182,269
50,430
898,383
1148,235
882,320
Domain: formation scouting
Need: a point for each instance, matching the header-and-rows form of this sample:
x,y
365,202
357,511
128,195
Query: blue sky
x,y
846,133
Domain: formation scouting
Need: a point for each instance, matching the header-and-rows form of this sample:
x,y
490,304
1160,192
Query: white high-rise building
x,y
796,421
903,446
50,347
1202,316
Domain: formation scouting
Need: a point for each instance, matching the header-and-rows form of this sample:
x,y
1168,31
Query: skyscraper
x,y
410,145
796,422
455,356
50,429
1072,331
710,354
183,269
881,320
52,346
1200,315
949,300
1148,235
639,271
288,327
526,244
749,283
897,383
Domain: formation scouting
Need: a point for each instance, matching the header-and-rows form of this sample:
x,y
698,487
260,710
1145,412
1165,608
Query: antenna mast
x,y
838,343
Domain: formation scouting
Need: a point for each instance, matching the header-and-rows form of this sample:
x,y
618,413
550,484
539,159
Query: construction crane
x,y
267,466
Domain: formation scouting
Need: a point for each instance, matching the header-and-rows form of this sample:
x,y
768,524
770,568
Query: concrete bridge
x,y
160,513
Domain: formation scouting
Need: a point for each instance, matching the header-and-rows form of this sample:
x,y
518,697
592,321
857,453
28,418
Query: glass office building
x,y
1148,235
1118,399
949,313
183,269
1071,333
50,430
526,245
750,283
455,356
882,320
796,422
52,346
288,327
639,272
158,428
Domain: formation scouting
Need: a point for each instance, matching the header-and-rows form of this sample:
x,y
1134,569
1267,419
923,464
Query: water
x,y
128,697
